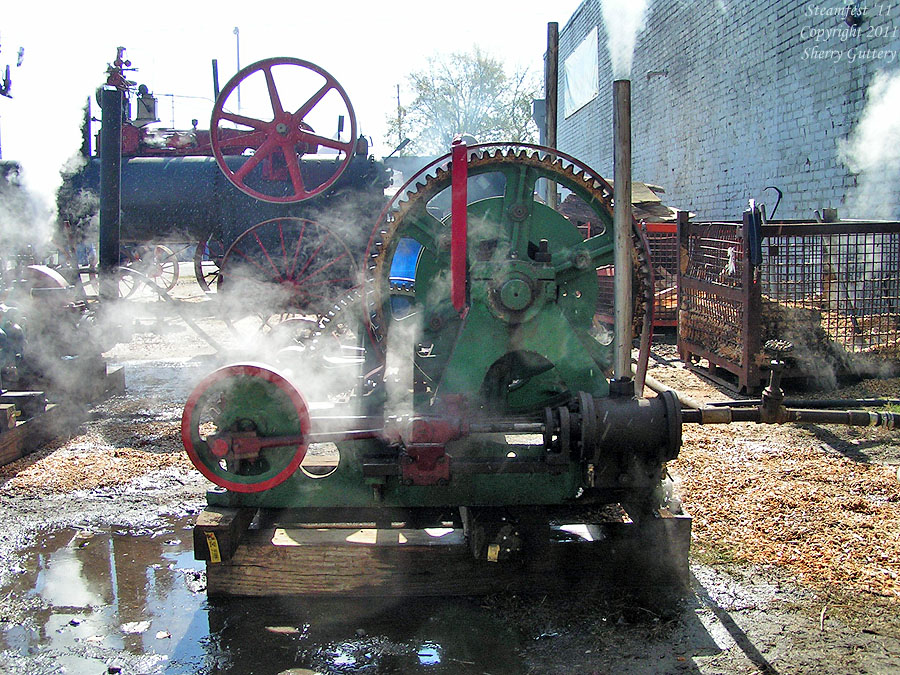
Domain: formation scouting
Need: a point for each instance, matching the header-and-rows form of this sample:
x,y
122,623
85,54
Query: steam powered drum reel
x,y
519,357
297,92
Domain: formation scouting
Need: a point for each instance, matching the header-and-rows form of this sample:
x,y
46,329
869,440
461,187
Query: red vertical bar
x,y
459,226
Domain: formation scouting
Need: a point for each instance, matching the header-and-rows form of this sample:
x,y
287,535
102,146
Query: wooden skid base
x,y
403,562
56,420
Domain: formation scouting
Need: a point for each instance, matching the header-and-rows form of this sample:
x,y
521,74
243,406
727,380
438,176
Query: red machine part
x,y
459,224
424,440
225,447
285,136
116,71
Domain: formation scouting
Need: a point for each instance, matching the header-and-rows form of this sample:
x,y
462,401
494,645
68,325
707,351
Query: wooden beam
x,y
27,436
50,421
403,562
218,531
8,416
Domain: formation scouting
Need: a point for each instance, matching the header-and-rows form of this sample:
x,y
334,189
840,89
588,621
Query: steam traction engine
x,y
211,191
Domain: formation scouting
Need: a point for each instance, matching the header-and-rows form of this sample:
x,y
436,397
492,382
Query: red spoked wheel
x,y
286,268
299,94
244,428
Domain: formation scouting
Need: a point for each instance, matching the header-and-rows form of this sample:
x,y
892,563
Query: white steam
x,y
24,218
623,19
873,151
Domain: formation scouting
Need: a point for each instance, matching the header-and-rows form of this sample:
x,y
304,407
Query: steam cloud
x,y
24,218
623,19
873,151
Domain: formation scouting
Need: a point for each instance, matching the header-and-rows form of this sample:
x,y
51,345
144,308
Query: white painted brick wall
x,y
742,106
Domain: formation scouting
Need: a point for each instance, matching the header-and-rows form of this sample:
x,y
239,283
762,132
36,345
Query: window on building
x,y
580,75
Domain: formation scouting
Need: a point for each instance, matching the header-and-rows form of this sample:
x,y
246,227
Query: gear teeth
x,y
436,177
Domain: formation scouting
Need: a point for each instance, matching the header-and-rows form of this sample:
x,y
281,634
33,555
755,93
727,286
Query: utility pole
x,y
399,117
237,40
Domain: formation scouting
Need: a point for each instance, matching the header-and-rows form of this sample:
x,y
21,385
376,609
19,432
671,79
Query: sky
x,y
369,47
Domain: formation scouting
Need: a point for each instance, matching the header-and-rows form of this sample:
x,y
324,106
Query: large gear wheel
x,y
412,214
508,225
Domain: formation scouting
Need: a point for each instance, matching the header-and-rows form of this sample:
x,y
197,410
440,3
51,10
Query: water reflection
x,y
90,600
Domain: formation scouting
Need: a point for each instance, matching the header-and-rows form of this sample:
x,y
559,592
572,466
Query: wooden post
x,y
551,80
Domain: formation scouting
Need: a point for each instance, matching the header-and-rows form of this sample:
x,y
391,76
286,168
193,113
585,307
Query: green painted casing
x,y
347,487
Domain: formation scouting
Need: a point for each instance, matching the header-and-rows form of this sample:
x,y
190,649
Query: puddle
x,y
91,601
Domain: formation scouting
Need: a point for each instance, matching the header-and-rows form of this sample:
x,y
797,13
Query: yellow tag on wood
x,y
214,555
493,552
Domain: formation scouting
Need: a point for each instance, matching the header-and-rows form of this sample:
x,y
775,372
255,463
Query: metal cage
x,y
832,289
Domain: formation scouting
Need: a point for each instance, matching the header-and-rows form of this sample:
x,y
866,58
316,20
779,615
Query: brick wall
x,y
728,97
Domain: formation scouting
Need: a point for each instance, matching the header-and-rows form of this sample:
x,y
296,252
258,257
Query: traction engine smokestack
x,y
111,102
622,227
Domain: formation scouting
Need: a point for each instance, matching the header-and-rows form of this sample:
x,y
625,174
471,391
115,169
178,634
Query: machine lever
x,y
459,226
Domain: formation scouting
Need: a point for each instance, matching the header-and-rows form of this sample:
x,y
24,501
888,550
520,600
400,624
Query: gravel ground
x,y
794,557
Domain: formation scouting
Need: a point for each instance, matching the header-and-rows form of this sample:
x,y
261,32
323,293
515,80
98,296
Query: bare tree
x,y
467,93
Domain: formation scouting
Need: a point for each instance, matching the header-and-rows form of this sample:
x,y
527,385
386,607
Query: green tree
x,y
464,93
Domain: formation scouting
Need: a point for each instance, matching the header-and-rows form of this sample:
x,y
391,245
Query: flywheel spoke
x,y
297,249
273,91
323,268
279,274
267,148
244,139
304,110
293,165
315,139
244,120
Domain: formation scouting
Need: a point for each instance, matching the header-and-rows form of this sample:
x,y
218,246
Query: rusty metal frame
x,y
663,243
805,267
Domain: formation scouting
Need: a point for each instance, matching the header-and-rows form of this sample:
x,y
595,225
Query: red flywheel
x,y
245,427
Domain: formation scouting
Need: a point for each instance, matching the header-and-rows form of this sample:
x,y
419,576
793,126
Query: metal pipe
x,y
813,404
551,79
685,400
237,42
853,418
622,223
111,100
215,74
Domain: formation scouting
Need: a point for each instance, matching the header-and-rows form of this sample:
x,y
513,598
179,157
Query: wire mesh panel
x,y
663,241
831,289
850,280
714,299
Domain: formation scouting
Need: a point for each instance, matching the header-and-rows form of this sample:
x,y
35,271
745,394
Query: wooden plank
x,y
402,562
30,434
730,293
8,414
219,530
54,420
29,403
